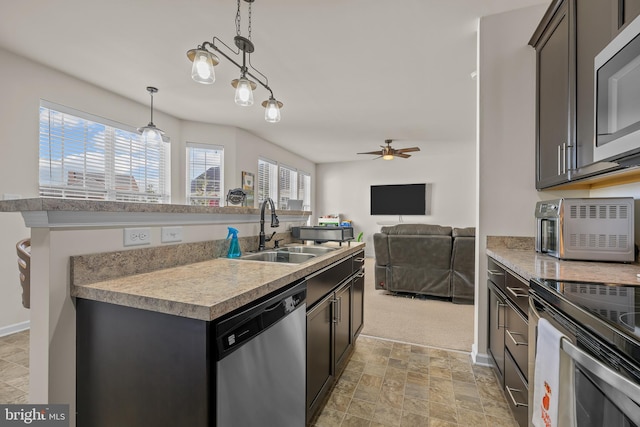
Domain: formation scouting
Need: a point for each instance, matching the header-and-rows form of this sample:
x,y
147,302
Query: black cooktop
x,y
611,311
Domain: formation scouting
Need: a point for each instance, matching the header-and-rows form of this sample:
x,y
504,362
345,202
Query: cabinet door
x,y
593,33
625,11
496,329
553,156
357,311
319,352
342,304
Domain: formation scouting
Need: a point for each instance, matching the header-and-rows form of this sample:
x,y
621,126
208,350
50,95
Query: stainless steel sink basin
x,y
278,256
303,249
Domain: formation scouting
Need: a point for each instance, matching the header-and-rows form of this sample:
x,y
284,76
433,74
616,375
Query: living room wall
x,y
449,167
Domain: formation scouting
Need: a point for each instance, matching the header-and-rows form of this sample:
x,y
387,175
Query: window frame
x,y
273,181
189,198
98,173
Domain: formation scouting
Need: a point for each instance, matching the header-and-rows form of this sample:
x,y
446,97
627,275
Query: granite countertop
x,y
528,264
205,290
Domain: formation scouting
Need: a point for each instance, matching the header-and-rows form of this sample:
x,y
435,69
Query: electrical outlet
x,y
137,236
171,234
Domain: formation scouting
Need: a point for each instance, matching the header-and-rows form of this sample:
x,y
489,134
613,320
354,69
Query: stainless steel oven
x,y
602,326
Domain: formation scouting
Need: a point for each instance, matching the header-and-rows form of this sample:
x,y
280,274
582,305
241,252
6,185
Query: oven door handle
x,y
597,369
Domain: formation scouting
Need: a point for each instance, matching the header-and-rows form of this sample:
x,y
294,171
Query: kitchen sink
x,y
278,256
303,249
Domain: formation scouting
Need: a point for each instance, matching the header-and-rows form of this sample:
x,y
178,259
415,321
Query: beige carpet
x,y
429,322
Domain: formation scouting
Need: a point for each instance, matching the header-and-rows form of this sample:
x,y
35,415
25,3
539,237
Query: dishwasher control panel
x,y
240,327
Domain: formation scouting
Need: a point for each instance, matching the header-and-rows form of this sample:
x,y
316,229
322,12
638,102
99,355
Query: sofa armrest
x,y
381,248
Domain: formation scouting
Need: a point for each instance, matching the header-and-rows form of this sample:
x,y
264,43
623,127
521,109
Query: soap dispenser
x,y
234,246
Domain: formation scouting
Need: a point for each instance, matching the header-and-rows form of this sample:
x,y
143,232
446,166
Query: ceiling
x,y
351,73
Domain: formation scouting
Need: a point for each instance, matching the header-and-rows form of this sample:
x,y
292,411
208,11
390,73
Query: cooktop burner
x,y
610,310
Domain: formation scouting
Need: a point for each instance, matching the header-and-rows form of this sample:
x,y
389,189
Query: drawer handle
x,y
513,399
359,259
495,272
516,294
360,275
514,340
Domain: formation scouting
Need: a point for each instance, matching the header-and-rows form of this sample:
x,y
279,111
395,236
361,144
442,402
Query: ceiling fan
x,y
388,152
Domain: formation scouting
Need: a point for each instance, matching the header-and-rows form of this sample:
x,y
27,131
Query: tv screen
x,y
401,199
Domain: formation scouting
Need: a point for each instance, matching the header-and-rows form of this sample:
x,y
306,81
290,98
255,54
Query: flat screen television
x,y
400,199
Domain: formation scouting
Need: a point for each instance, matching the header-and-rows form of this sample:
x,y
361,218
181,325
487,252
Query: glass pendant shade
x,y
202,69
244,92
272,111
151,134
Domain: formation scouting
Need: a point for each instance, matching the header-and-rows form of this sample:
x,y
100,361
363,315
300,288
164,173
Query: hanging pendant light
x,y
150,133
272,110
244,91
204,60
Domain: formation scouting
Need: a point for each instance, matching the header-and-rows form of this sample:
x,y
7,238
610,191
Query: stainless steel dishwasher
x,y
261,362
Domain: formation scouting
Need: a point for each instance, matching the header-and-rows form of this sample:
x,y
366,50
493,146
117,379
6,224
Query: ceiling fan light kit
x,y
389,153
204,60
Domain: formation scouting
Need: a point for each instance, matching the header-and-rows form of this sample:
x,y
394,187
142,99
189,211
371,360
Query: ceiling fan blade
x,y
407,150
404,156
372,152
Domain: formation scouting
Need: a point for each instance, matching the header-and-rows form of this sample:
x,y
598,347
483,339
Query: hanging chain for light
x,y
239,18
250,20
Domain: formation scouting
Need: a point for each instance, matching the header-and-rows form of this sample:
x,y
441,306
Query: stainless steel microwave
x,y
594,229
617,96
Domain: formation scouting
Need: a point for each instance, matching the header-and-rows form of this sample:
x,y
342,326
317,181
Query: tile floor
x,y
14,368
394,384
384,384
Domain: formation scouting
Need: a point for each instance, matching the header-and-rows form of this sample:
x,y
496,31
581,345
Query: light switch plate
x,y
171,234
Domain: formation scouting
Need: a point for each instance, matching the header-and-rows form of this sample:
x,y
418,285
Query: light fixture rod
x,y
242,68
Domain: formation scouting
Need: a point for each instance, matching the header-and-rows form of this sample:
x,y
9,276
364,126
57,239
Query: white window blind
x,y
287,185
205,174
304,190
267,180
86,157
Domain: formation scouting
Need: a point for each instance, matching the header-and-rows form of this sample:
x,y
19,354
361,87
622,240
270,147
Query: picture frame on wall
x,y
248,184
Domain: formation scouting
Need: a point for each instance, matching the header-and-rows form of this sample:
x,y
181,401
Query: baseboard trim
x,y
482,359
16,327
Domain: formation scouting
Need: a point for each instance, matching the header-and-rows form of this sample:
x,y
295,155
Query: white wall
x,y
449,167
506,141
22,86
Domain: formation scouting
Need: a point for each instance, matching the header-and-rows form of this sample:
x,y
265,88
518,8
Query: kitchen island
x,y
61,229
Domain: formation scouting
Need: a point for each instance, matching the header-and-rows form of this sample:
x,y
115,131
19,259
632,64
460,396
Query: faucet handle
x,y
268,239
277,243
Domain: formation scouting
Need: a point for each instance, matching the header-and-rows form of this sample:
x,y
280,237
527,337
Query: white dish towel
x,y
553,393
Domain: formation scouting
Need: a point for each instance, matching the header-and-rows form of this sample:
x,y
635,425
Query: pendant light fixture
x,y
150,133
204,61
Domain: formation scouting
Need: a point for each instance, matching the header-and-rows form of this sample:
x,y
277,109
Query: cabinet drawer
x,y
518,292
516,337
324,281
496,273
358,262
516,391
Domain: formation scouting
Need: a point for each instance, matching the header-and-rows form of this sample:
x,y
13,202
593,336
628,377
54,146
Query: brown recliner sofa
x,y
426,259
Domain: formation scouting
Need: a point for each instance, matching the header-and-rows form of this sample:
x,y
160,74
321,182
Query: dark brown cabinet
x,y
335,317
554,138
509,335
570,35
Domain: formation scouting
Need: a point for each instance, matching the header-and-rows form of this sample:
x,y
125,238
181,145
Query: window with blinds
x,y
205,174
304,190
287,186
86,157
267,180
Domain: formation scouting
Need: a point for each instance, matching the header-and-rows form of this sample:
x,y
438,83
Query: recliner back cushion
x,y
416,229
418,251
